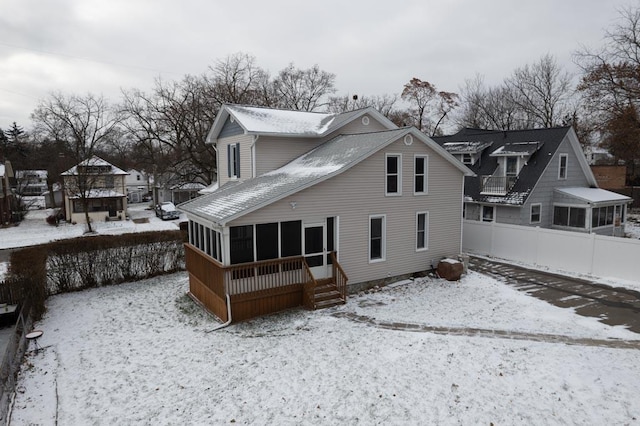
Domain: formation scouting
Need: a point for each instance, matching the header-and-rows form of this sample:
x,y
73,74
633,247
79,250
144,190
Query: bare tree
x,y
542,90
429,107
610,87
303,90
237,79
83,123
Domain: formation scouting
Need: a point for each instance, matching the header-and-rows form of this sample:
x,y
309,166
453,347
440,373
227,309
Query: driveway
x,y
611,305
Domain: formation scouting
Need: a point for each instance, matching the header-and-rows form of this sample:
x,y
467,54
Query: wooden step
x,y
329,303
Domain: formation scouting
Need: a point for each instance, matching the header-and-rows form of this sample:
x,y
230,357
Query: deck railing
x,y
497,185
339,276
257,276
309,289
245,277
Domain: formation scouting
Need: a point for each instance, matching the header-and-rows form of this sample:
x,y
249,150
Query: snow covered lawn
x,y
140,353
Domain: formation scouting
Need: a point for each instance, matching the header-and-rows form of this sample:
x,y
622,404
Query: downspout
x,y
218,327
253,155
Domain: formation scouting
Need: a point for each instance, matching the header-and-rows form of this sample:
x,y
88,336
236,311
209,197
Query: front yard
x,y
142,353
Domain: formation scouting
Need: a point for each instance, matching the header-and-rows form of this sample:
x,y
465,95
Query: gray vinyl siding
x,y
508,214
543,191
230,129
245,142
356,127
273,152
360,192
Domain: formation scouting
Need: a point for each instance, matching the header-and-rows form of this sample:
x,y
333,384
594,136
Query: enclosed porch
x,y
253,289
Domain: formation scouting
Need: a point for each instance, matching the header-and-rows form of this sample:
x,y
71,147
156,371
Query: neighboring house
x,y
535,178
8,202
185,192
104,188
309,199
31,182
597,155
137,185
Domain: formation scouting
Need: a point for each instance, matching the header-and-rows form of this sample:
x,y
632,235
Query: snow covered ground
x,y
35,230
141,353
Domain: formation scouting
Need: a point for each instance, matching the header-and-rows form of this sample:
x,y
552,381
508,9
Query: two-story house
x,y
98,183
306,200
31,182
536,177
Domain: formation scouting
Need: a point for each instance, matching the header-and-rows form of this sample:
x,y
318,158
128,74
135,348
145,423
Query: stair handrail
x,y
339,276
309,287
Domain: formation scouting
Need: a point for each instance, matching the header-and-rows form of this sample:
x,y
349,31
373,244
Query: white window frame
x,y
561,175
493,214
233,163
539,213
425,238
399,175
383,242
425,175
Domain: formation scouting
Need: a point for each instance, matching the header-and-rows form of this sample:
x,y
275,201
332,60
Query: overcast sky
x,y
374,47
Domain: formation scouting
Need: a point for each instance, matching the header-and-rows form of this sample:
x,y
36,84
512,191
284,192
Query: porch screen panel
x,y
241,244
291,238
267,241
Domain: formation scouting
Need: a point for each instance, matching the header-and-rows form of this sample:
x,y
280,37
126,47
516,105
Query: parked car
x,y
167,211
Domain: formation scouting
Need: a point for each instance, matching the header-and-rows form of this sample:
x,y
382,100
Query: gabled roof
x,y
538,144
329,159
94,161
286,123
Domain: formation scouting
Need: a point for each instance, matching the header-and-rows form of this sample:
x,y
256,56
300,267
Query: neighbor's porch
x,y
253,289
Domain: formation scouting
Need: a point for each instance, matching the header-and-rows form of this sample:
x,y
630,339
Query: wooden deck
x,y
261,288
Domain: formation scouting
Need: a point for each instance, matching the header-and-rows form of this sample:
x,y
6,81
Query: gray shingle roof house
x,y
306,200
536,177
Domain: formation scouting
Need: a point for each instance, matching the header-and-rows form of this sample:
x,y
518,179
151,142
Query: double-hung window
x,y
562,166
393,174
422,231
421,167
233,160
535,213
377,238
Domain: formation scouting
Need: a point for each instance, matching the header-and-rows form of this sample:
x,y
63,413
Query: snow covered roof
x,y
188,186
268,121
94,161
329,159
209,189
468,147
517,148
594,195
102,193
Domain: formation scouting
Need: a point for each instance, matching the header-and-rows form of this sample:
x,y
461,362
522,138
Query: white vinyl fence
x,y
577,252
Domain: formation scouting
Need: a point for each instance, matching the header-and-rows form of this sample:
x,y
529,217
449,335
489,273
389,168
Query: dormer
x,y
467,152
512,157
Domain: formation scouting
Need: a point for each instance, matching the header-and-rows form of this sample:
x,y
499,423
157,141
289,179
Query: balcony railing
x,y
497,185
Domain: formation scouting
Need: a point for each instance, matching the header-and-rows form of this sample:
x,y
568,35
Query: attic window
x,y
365,120
408,140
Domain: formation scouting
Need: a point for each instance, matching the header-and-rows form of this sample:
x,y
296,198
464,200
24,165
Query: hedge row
x,y
80,263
